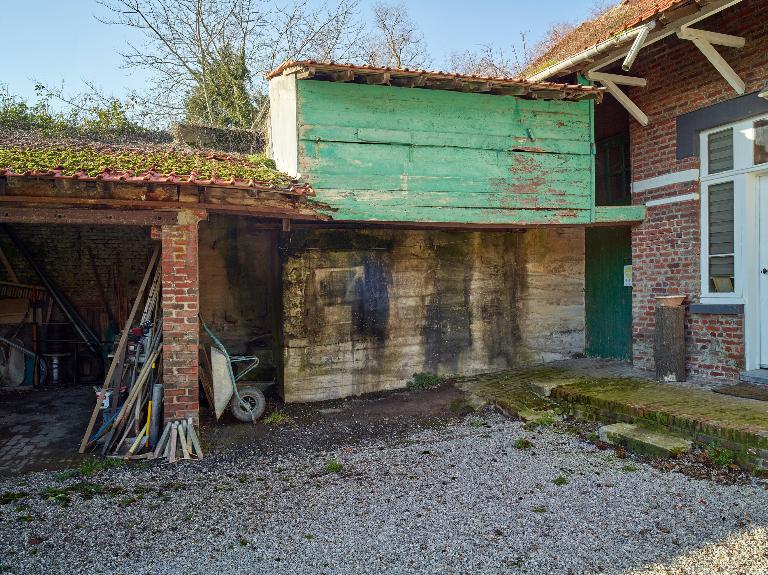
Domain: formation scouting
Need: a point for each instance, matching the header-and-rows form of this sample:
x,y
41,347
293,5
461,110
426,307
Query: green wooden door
x,y
608,300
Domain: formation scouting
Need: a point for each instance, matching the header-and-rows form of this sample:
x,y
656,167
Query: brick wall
x,y
180,281
666,246
73,256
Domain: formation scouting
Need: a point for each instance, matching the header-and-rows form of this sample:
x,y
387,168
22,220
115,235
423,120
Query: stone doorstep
x,y
758,376
644,441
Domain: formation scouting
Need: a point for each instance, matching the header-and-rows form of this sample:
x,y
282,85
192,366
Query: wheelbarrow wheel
x,y
254,398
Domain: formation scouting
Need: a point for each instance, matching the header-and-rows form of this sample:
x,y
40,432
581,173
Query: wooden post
x,y
669,343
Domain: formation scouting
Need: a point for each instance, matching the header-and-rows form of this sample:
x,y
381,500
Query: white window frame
x,y
743,177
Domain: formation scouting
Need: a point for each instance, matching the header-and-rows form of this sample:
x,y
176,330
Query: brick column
x,y
180,281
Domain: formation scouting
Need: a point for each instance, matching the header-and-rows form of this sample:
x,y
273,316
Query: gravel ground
x,y
459,497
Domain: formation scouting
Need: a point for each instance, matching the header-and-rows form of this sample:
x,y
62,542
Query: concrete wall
x,y
366,309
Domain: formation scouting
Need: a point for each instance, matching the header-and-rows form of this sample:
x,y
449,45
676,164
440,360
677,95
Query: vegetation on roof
x,y
93,161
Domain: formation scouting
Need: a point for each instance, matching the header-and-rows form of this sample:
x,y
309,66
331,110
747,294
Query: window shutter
x,y
720,154
721,237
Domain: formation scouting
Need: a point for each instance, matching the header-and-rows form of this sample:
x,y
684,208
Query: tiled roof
x,y
27,155
625,15
332,71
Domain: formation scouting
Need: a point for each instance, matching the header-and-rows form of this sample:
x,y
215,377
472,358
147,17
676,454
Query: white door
x,y
763,270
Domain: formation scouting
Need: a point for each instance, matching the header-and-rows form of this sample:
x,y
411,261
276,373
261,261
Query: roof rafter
x,y
703,40
612,81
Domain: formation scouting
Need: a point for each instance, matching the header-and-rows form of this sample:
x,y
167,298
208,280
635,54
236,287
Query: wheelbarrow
x,y
227,386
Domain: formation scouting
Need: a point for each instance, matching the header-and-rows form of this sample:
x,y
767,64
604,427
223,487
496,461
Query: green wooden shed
x,y
385,145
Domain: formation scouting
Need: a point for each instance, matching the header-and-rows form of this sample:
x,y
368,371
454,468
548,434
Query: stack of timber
x,y
178,441
130,399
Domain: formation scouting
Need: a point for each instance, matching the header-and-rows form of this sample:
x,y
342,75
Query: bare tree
x,y
212,47
396,40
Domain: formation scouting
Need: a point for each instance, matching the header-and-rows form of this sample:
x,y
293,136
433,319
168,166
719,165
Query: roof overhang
x,y
405,78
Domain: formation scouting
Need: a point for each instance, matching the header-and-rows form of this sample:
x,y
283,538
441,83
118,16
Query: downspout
x,y
640,33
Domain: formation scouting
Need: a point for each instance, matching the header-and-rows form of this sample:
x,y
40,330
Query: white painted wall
x,y
284,140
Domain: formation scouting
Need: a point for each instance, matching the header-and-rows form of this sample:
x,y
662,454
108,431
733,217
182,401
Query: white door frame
x,y
761,263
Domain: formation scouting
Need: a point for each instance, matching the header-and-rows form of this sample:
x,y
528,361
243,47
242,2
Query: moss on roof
x,y
95,161
623,15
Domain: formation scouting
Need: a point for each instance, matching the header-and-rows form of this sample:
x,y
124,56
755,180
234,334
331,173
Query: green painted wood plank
x,y
380,153
608,214
388,159
311,134
517,217
510,183
358,199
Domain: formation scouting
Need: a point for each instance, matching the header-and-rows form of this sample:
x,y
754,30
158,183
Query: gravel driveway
x,y
458,497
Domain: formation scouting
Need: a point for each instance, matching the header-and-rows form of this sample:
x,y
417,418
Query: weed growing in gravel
x,y
421,381
58,496
93,466
523,443
127,501
593,437
243,542
26,518
546,420
188,517
11,496
475,422
68,474
560,480
243,478
720,456
629,468
308,537
276,418
333,466
540,509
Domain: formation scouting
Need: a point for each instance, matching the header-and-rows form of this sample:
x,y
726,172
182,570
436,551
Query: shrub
x,y
424,381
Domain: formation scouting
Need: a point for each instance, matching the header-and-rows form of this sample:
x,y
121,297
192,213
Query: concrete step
x,y
644,441
758,376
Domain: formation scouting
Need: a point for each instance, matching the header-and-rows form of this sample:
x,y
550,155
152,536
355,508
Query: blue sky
x,y
60,40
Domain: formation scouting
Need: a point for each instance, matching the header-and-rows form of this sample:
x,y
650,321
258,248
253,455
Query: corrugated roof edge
x,y
333,71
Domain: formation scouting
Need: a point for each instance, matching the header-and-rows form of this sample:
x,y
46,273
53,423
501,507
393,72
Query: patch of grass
x,y
720,456
460,407
593,437
85,489
308,537
629,468
11,496
243,542
522,443
91,467
474,422
26,518
276,418
333,466
540,509
421,381
560,480
546,420
243,478
68,474
59,496
188,517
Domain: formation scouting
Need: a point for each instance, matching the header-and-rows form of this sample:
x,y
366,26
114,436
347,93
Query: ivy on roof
x,y
94,161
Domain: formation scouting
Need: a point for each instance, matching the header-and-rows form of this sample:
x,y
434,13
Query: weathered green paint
x,y
608,302
619,214
382,153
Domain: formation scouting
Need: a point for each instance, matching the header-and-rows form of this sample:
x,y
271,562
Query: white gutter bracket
x,y
611,82
703,40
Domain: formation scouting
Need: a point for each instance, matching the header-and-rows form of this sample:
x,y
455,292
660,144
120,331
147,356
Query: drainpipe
x,y
639,33
636,45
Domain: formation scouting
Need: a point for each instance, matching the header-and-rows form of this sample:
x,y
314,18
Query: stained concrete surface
x,y
42,429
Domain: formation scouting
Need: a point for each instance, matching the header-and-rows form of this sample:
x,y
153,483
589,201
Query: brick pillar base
x,y
180,281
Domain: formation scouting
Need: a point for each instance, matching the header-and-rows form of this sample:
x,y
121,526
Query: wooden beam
x,y
86,216
342,76
618,79
381,78
624,100
407,81
720,65
711,37
298,213
509,90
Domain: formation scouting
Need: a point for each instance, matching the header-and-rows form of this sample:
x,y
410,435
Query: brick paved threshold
x,y
613,392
